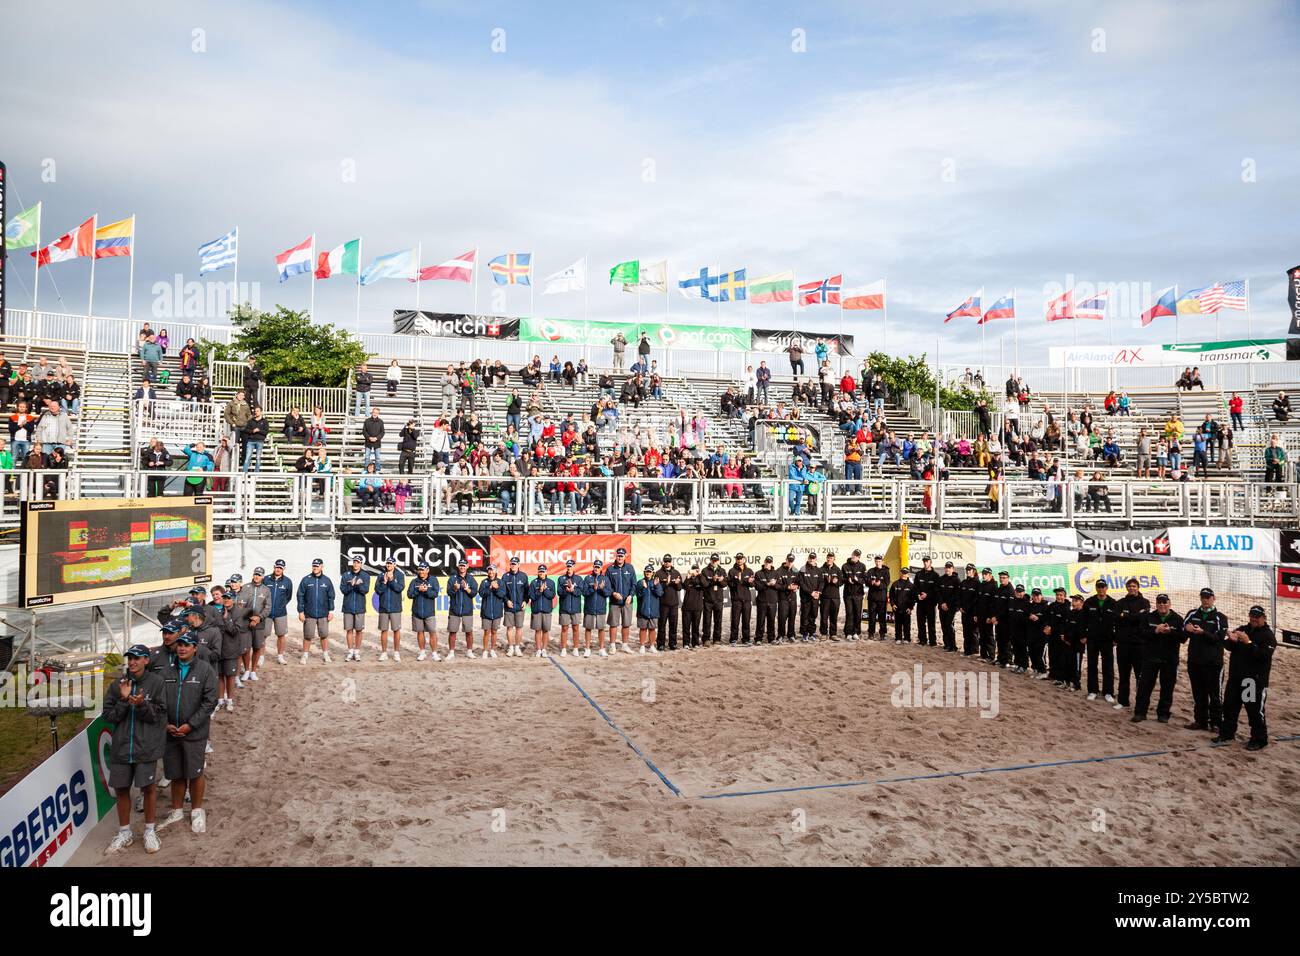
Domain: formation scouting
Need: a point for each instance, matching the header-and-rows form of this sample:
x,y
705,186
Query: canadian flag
x,y
79,242
1061,307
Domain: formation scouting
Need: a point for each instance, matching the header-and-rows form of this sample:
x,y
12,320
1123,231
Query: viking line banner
x,y
1184,353
553,550
455,325
663,335
778,340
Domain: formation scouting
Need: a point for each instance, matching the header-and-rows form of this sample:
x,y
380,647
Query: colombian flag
x,y
115,239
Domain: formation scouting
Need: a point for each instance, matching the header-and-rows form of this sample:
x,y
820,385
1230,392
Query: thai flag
x,y
296,260
1093,308
1166,304
971,307
1003,308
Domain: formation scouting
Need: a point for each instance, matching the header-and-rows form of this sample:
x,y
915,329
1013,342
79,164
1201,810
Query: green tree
x,y
291,349
913,374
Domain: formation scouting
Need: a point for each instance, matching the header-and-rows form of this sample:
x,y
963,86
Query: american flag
x,y
1234,295
1211,298
825,292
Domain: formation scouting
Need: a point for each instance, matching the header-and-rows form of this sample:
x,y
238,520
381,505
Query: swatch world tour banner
x,y
454,325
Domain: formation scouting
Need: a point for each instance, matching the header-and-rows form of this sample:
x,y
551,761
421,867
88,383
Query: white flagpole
x,y
668,309
358,286
473,277
1015,327
36,279
884,308
532,286
585,300
90,303
130,281
234,298
794,301
311,264
1177,321
1250,325
419,260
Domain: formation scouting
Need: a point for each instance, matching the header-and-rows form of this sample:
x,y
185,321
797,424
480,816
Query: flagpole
x,y
36,279
474,279
1250,326
667,308
585,299
1177,321
90,303
419,259
1015,327
311,264
234,298
130,281
983,340
884,307
794,301
358,286
532,298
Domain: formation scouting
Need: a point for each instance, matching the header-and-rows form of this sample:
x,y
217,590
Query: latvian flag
x,y
460,269
823,292
867,298
1093,308
971,307
296,260
79,242
1003,308
344,260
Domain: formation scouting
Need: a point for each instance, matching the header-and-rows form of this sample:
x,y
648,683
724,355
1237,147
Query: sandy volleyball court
x,y
506,762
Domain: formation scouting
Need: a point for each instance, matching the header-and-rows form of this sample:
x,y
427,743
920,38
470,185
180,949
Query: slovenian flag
x,y
344,260
971,307
1166,304
1003,308
296,260
115,239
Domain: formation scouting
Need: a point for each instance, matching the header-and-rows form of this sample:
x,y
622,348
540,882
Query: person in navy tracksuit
x,y
423,591
281,587
569,587
354,585
316,609
622,582
388,597
492,607
648,592
542,595
516,585
461,589
595,593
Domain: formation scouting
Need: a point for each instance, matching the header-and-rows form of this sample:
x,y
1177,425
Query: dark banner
x,y
455,325
1293,299
4,258
778,340
441,551
1097,545
1289,550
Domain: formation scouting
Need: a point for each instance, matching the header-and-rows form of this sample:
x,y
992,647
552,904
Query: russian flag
x,y
1003,308
297,260
970,307
1166,304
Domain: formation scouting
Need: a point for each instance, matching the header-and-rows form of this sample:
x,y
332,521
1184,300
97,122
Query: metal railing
x,y
176,422
269,502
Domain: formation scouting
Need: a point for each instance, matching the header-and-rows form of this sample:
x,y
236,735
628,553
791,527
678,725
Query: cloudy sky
x,y
943,146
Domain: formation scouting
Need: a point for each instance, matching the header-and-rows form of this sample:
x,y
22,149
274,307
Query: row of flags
x,y
736,286
88,240
1204,301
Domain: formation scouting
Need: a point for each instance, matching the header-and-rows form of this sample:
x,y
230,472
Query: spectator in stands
x,y
55,429
323,467
1185,380
1235,406
1098,493
163,340
368,489
317,431
362,382
1210,428
393,378
795,352
145,392
1162,458
1282,407
224,461
155,459
408,440
185,389
295,427
555,369
1173,428
306,463
1125,404
583,370
6,380
570,375
1175,454
151,355
1200,460
1226,444
632,392
1111,403
1274,461
468,386
762,380
643,349
197,463
255,434
189,357
252,381
1110,451
619,341
372,436
203,391
1196,379
1143,454
237,413
450,389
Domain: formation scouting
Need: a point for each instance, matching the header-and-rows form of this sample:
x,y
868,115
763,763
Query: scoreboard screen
x,y
86,549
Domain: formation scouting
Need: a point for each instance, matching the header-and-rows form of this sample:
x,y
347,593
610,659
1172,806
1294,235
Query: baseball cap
x,y
186,638
235,578
317,563
1162,598
1021,589
423,566
926,557
948,564
1132,581
789,557
621,553
541,569
1102,585
767,559
969,566
713,557
857,552
879,557
259,571
389,561
597,563
356,559
137,650
172,626
986,571
1059,591
567,564
668,558
197,589
1256,611
649,566
1036,592
514,560
904,570
279,562
1004,574
740,554
1207,592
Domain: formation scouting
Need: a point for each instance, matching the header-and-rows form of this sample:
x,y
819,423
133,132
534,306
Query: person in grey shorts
x,y
542,595
316,610
461,589
136,706
622,582
388,595
423,592
516,584
354,585
492,605
570,590
281,588
259,596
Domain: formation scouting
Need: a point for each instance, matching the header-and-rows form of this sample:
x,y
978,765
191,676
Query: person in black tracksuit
x,y
949,603
1019,626
1206,627
902,598
1060,655
767,580
715,591
1036,621
811,582
1130,638
832,579
1163,635
788,588
927,600
671,579
969,597
740,584
854,573
1099,614
1003,597
877,598
692,607
1250,659
987,612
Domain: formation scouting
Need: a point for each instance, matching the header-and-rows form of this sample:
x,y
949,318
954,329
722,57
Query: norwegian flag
x,y
823,292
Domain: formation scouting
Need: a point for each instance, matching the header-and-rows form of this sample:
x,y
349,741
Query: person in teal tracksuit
x,y
797,477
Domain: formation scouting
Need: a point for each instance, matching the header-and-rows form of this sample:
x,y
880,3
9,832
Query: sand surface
x,y
505,762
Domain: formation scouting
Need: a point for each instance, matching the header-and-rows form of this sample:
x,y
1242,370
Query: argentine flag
x,y
395,265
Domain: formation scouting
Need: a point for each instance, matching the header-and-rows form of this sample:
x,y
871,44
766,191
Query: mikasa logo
x,y
77,909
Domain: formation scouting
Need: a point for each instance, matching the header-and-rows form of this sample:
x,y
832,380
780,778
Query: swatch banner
x,y
663,335
778,340
1293,298
454,325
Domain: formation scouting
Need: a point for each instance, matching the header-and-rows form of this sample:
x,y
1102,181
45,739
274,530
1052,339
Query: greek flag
x,y
219,253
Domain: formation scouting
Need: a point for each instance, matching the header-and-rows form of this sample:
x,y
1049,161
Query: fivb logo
x,y
75,910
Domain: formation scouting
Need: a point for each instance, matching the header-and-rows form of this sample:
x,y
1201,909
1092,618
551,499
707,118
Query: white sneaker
x,y
492,654
654,648
207,749
326,657
470,653
176,816
1110,699
230,705
199,821
151,842
435,656
1117,707
602,653
252,675
120,842
586,652
279,659
383,656
538,653
451,655
244,675
239,683
305,655
397,658
642,648
564,652
628,648
1092,696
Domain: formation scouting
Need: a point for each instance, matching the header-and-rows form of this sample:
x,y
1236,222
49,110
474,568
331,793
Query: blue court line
x,y
970,773
630,742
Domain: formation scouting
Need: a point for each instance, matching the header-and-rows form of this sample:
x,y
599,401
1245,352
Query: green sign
x,y
663,335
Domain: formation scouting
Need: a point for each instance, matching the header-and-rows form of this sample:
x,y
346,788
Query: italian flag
x,y
778,287
340,261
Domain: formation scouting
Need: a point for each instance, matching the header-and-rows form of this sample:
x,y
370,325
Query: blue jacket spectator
x,y
423,603
315,595
354,595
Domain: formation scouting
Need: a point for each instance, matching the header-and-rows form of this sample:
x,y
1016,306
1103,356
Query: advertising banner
x,y
1183,353
1048,546
1227,545
1288,583
1094,544
1151,577
778,340
1293,299
553,550
47,815
662,335
455,325
689,549
441,552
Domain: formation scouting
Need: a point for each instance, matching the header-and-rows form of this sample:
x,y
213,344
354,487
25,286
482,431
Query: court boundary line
x,y
618,730
947,774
